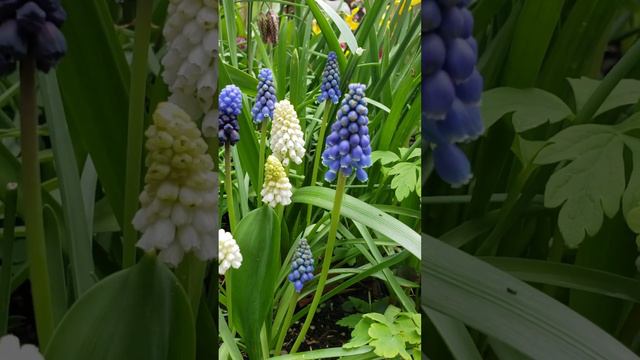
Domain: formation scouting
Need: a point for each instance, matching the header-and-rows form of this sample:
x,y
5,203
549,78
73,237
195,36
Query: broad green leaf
x,y
138,313
350,321
385,343
591,185
405,178
253,284
627,92
385,157
530,107
363,213
470,290
359,334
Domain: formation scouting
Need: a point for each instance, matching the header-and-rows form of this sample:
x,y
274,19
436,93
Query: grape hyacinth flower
x,y
266,98
228,252
189,64
287,141
178,203
452,86
10,349
330,86
31,27
229,107
276,189
348,147
301,266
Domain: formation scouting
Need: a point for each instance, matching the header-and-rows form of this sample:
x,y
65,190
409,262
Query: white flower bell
x,y
228,252
287,141
179,200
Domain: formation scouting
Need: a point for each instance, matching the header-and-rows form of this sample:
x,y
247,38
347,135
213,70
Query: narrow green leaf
x,y
363,213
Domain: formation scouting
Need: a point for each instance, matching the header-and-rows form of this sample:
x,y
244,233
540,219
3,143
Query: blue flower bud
x,y
266,98
431,16
460,61
30,18
300,271
451,164
229,107
51,46
434,53
12,46
452,24
330,85
438,93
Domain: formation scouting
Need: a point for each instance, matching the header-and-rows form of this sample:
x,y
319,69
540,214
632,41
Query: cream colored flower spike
x,y
178,203
228,252
276,189
10,349
287,142
189,66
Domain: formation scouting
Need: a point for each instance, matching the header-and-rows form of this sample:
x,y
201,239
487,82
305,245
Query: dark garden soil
x,y
21,318
324,332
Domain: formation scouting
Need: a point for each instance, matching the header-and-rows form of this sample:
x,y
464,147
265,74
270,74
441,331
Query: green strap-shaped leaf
x,y
139,313
485,298
363,213
253,284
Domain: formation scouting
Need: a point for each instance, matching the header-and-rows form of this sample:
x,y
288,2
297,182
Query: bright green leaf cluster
x,y
404,169
391,334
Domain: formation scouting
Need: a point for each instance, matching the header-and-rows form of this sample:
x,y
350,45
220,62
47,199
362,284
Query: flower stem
x,y
10,204
136,128
263,145
326,263
32,203
619,71
287,321
229,187
318,155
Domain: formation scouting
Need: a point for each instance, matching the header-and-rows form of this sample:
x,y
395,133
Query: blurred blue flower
x,y
452,86
330,86
229,107
301,266
266,98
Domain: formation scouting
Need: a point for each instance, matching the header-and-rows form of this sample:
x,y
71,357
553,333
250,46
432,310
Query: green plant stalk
x,y
232,217
319,147
32,203
10,205
287,322
229,187
326,264
191,275
249,33
135,129
263,145
617,73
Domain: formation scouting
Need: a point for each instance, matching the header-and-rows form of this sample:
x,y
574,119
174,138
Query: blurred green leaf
x,y
138,313
530,107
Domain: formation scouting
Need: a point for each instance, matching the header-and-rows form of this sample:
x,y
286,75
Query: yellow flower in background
x,y
349,19
315,28
411,4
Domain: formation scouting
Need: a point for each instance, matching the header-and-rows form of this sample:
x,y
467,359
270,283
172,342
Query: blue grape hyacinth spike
x,y
266,98
330,86
302,266
229,107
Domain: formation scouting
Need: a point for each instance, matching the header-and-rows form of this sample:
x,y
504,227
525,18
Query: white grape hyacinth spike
x,y
228,252
178,203
190,60
287,138
10,349
276,189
